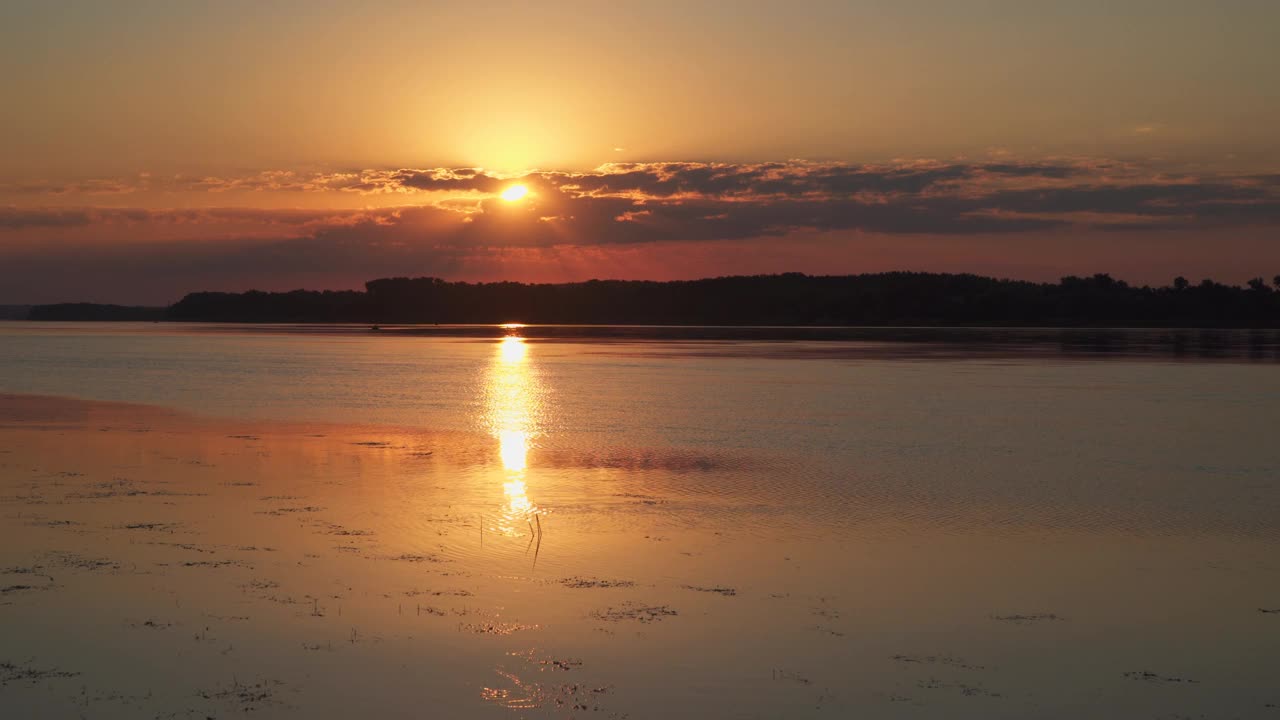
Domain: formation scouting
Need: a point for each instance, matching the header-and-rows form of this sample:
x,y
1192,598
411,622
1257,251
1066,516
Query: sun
x,y
514,193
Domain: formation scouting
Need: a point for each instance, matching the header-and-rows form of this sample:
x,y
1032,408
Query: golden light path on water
x,y
513,410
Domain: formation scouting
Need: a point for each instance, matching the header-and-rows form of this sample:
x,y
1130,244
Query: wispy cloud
x,y
452,220
638,202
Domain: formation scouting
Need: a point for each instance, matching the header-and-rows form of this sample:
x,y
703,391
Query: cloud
x,y
446,179
15,218
651,202
452,220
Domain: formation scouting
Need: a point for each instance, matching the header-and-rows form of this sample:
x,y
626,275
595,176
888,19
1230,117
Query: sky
x,y
149,149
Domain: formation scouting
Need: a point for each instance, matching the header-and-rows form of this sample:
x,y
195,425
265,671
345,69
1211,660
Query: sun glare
x,y
514,193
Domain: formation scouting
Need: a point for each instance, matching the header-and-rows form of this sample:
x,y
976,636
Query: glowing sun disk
x,y
514,193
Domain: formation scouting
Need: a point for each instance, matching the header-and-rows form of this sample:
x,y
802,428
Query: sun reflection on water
x,y
513,447
512,349
514,409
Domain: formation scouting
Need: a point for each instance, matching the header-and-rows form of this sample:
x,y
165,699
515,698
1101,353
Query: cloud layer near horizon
x,y
280,228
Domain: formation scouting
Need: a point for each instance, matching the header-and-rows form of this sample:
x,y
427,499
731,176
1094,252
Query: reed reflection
x,y
514,408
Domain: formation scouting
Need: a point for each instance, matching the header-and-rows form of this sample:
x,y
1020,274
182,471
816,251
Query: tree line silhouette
x,y
793,299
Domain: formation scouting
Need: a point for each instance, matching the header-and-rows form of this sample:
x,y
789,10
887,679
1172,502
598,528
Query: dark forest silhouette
x,y
897,298
95,311
14,312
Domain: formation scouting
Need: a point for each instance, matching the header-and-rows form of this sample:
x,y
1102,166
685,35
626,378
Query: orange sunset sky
x,y
148,149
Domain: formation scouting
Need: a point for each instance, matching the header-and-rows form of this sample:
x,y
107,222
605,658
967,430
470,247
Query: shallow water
x,y
346,524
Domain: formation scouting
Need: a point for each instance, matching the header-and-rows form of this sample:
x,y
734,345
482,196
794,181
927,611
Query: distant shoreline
x,y
850,343
792,300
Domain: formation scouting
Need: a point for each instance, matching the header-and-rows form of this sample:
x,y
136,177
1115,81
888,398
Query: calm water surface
x,y
201,522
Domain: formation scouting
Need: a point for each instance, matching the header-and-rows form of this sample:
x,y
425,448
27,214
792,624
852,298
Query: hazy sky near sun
x,y
153,107
106,87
